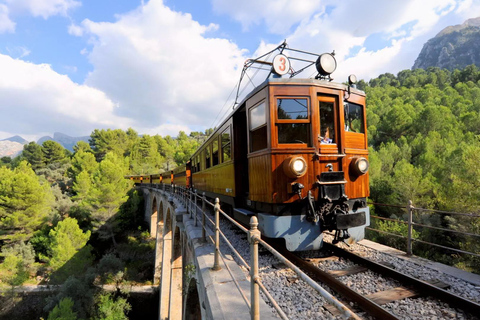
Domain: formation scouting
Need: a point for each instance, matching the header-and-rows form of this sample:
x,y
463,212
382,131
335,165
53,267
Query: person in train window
x,y
326,137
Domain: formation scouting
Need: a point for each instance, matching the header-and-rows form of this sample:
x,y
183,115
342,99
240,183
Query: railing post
x,y
216,208
253,239
195,209
190,203
410,226
204,234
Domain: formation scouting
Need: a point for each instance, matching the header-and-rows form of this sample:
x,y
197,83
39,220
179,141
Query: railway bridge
x,y
192,283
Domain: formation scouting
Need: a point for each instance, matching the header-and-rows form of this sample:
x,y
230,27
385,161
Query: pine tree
x,y
25,203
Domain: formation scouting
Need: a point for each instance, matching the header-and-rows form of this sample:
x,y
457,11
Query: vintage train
x,y
293,152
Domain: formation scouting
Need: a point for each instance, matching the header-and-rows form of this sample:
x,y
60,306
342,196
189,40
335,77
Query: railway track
x,y
372,304
390,290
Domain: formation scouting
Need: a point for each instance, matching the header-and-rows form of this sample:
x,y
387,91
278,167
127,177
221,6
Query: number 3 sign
x,y
281,64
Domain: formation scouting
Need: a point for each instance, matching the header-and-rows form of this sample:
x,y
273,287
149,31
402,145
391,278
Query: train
x,y
292,152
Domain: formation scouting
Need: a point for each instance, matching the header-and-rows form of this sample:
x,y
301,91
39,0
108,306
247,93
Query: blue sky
x,y
162,66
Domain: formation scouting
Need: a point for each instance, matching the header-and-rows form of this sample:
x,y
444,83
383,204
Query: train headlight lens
x,y
299,165
295,167
326,64
361,165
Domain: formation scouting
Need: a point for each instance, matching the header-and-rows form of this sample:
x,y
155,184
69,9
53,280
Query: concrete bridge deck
x,y
189,288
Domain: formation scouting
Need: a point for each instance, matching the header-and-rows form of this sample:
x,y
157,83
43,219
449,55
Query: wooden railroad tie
x,y
384,297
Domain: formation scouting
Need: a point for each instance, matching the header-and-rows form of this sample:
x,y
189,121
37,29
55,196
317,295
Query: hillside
x,y
455,47
10,148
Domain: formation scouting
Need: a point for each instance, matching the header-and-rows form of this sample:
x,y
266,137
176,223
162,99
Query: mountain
x,y
66,141
16,139
455,47
10,148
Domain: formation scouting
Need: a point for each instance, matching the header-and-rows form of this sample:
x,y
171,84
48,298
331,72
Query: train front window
x,y
327,123
258,127
354,117
293,123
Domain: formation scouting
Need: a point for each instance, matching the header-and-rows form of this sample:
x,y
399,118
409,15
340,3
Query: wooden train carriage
x,y
136,179
284,119
212,165
155,178
181,175
167,177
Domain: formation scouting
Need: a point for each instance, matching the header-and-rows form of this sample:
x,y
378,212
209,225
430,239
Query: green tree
x,y
68,244
82,146
18,264
63,311
82,161
53,152
25,203
33,153
105,141
111,308
107,193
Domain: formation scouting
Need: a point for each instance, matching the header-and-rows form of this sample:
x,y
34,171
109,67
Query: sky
x,y
159,67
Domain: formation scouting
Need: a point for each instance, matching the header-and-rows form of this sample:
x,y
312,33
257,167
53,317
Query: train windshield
x,y
293,120
354,117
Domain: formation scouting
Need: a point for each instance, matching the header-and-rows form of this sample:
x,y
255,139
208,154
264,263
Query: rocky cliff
x,y
455,47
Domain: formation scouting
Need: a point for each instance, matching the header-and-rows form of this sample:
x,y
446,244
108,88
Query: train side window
x,y
208,159
215,152
226,150
327,122
354,117
198,163
258,127
293,123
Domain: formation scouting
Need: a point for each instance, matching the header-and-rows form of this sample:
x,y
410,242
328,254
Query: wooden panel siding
x,y
358,186
260,178
282,181
218,179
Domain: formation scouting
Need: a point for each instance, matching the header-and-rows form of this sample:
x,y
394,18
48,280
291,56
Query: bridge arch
x,y
191,307
154,217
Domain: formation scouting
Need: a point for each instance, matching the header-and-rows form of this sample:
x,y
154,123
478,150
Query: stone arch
x,y
165,278
191,307
176,276
154,217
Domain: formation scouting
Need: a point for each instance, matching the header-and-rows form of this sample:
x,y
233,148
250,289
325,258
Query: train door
x,y
328,140
240,150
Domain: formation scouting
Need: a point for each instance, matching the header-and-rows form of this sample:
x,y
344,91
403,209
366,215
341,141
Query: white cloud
x,y
6,25
75,30
43,8
278,15
160,68
402,26
37,99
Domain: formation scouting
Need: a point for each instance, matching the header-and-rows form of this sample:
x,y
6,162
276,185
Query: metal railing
x,y
413,225
191,199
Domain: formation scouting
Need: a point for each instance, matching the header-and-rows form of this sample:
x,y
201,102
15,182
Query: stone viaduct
x,y
189,288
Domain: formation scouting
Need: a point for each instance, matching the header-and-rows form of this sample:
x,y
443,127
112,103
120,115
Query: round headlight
x,y
352,79
294,167
361,165
326,64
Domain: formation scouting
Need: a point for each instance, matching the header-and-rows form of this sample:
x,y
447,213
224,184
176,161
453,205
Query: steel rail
x,y
421,286
364,303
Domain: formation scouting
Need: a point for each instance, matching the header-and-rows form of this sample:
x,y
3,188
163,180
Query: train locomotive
x,y
293,152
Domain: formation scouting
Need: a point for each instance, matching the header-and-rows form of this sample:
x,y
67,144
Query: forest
x,y
424,140
72,219
69,217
